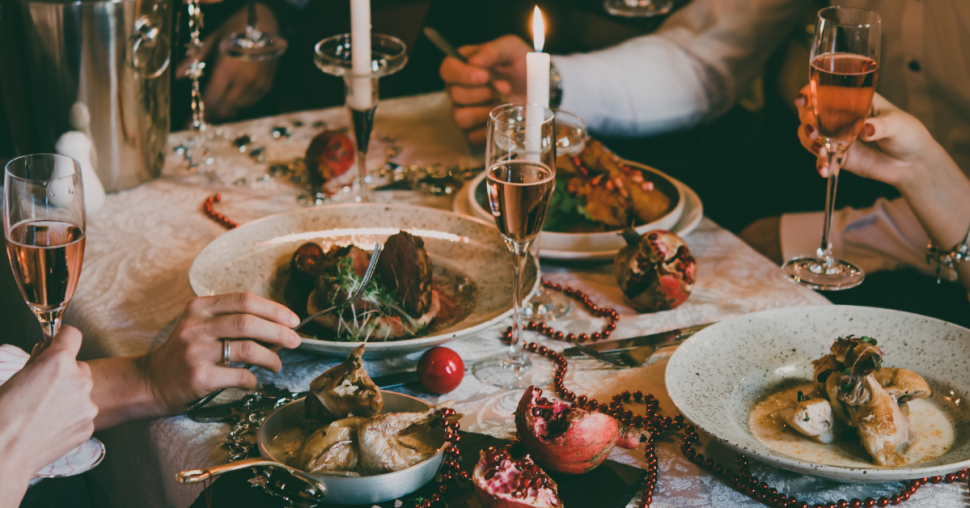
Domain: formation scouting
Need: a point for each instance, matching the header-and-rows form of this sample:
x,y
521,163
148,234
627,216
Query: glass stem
x,y
520,251
834,156
50,323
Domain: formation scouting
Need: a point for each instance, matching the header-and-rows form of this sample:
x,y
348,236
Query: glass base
x,y
545,305
638,8
79,460
506,371
816,274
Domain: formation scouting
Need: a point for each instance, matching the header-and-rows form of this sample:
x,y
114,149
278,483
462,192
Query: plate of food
x,y
852,394
349,441
440,275
597,194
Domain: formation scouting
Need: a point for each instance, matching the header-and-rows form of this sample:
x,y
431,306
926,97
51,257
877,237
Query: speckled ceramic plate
x,y
255,257
718,375
609,241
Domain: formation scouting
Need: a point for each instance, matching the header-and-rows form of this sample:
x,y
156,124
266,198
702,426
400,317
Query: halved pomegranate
x,y
504,482
567,439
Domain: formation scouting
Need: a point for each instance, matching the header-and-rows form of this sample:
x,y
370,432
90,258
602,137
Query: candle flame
x,y
538,30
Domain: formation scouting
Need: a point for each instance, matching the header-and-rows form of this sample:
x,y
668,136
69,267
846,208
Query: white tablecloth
x,y
134,284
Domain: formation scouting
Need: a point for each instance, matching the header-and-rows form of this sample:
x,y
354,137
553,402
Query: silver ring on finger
x,y
225,352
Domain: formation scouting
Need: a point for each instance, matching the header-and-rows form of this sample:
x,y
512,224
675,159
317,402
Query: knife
x,y
654,340
449,50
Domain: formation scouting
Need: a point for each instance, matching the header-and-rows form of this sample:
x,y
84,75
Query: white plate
x,y
601,241
254,256
85,457
689,220
718,375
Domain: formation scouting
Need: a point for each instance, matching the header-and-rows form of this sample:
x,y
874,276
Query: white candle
x,y
360,97
537,88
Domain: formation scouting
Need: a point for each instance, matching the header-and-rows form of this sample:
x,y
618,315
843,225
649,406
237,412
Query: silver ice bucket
x,y
101,67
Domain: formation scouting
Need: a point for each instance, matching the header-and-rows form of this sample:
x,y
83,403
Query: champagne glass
x,y
520,176
638,8
844,64
43,221
253,44
546,305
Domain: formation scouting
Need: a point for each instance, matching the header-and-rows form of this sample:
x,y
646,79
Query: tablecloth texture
x,y
134,284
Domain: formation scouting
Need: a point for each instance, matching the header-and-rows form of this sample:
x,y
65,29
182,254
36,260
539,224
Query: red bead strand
x,y
216,216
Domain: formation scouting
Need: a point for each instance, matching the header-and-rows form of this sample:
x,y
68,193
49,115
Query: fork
x,y
358,290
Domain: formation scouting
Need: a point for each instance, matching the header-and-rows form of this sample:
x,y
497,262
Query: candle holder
x,y
333,56
543,304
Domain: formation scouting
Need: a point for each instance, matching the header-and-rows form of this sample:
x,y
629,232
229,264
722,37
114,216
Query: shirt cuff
x,y
12,359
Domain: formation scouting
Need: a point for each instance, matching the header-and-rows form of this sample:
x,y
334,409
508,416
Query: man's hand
x,y
234,83
45,409
502,60
188,364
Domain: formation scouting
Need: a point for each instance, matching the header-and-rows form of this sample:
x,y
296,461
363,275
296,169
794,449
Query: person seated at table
x,y
897,149
55,402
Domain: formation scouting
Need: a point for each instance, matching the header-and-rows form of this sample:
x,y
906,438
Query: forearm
x,y
121,391
939,194
12,491
15,473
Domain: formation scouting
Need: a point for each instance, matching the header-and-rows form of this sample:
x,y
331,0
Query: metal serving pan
x,y
339,489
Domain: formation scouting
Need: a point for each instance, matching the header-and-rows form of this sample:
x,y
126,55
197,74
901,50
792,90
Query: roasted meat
x,y
810,415
382,448
341,392
405,269
332,447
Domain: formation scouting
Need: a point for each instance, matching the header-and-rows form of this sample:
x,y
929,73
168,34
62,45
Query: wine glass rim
x,y
549,115
875,18
10,174
395,48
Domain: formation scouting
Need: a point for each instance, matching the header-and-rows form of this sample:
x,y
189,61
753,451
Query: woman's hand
x,y
892,148
45,409
188,366
502,60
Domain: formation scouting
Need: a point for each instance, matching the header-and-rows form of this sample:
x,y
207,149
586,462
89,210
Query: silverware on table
x,y
653,340
356,293
450,50
612,360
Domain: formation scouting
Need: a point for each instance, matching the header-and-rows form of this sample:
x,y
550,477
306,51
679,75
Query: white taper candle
x,y
361,91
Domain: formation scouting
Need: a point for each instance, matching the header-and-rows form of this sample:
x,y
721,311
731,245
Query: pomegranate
x,y
655,271
504,482
568,439
329,155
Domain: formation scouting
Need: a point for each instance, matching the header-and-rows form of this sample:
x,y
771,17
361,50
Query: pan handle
x,y
317,489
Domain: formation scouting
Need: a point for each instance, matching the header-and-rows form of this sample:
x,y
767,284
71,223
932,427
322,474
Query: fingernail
x,y
816,147
296,339
293,320
481,77
800,100
870,130
809,129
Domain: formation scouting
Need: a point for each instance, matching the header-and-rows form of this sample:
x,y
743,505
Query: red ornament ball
x,y
440,370
655,271
329,155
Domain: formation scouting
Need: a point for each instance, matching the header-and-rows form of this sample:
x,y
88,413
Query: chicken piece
x,y
883,429
603,203
343,391
332,448
811,416
824,367
860,355
904,385
381,447
405,269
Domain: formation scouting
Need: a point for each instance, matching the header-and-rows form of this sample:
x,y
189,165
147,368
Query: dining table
x,y
141,244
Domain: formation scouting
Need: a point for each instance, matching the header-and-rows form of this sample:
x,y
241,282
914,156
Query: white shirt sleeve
x,y
12,359
885,236
692,69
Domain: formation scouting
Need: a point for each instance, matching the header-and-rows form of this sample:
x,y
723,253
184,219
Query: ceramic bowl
x,y
255,257
718,375
593,242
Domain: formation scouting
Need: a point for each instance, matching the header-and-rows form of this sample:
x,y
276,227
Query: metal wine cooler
x,y
100,67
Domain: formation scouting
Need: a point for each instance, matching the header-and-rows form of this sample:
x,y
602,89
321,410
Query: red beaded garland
x,y
657,425
216,216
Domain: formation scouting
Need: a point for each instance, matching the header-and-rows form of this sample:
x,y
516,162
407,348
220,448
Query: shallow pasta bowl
x,y
717,376
255,257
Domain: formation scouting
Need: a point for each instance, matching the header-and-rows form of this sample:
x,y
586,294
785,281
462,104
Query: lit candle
x,y
360,97
537,89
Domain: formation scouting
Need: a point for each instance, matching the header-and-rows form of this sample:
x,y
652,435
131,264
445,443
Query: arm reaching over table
x,y
187,365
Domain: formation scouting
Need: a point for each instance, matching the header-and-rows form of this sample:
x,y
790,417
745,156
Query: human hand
x,y
501,60
234,83
188,365
46,407
892,147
